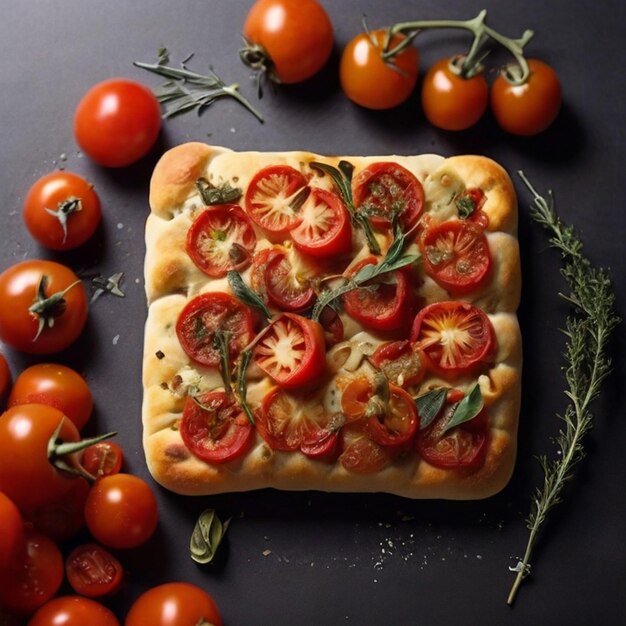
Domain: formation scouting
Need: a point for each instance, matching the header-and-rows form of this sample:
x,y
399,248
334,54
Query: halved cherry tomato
x,y
324,229
5,380
322,443
73,611
258,269
103,458
457,337
272,197
12,536
93,571
215,428
208,313
62,210
361,455
400,363
220,239
386,189
284,287
456,255
450,101
469,205
292,351
371,82
56,385
332,325
382,305
354,398
43,306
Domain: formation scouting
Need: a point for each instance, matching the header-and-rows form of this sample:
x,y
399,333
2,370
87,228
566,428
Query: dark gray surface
x,y
346,559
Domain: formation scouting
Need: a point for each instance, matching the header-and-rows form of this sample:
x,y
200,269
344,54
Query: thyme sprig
x,y
587,328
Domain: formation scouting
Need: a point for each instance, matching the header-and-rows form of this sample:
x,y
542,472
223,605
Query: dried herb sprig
x,y
587,328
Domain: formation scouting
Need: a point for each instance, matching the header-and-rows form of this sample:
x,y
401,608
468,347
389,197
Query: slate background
x,y
345,559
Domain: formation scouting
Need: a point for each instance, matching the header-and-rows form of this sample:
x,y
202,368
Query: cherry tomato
x,y
272,198
450,101
73,611
295,38
361,455
324,229
323,443
456,255
103,458
220,239
56,385
5,379
354,398
530,108
174,604
215,428
43,307
469,204
371,82
456,337
62,210
12,536
386,189
332,325
121,511
208,313
26,474
117,122
292,351
400,363
93,571
286,288
34,577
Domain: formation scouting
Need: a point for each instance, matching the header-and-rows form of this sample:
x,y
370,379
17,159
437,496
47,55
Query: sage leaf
x,y
467,409
246,294
242,384
207,536
429,405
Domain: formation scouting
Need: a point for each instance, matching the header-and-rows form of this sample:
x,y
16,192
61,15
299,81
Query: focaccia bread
x,y
277,355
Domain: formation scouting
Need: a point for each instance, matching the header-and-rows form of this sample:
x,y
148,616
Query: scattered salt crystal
x,y
116,339
120,226
266,552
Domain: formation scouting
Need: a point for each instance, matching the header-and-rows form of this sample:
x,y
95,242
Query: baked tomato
x,y
274,196
371,82
117,122
103,458
292,351
56,385
5,380
286,288
73,611
221,239
400,362
12,535
451,101
324,229
43,307
360,454
93,571
214,427
456,337
387,190
529,108
62,210
174,604
288,40
456,256
204,316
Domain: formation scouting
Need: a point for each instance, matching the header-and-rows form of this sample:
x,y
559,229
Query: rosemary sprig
x,y
185,90
587,328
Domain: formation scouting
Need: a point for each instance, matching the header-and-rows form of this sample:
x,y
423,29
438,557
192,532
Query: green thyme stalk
x,y
587,328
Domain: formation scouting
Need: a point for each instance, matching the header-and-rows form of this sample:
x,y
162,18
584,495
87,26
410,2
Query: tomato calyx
x,y
255,56
67,207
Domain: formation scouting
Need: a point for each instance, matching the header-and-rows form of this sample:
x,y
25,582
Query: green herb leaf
x,y
242,383
429,405
221,339
246,294
207,536
467,409
224,193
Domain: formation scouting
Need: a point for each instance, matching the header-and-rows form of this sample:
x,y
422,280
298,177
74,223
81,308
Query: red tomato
x,y
62,210
292,39
530,108
324,230
371,82
332,325
121,511
103,458
469,205
34,577
220,239
56,385
210,312
215,428
174,604
456,255
386,189
5,379
360,454
354,398
117,122
450,101
272,198
400,363
285,288
43,307
26,474
322,443
457,337
292,351
92,571
73,611
12,536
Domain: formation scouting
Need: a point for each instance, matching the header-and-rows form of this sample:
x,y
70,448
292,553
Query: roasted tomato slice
x,y
400,362
384,305
220,239
332,325
292,351
214,427
387,189
360,454
273,196
456,256
324,229
284,287
208,313
456,337
93,571
469,205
